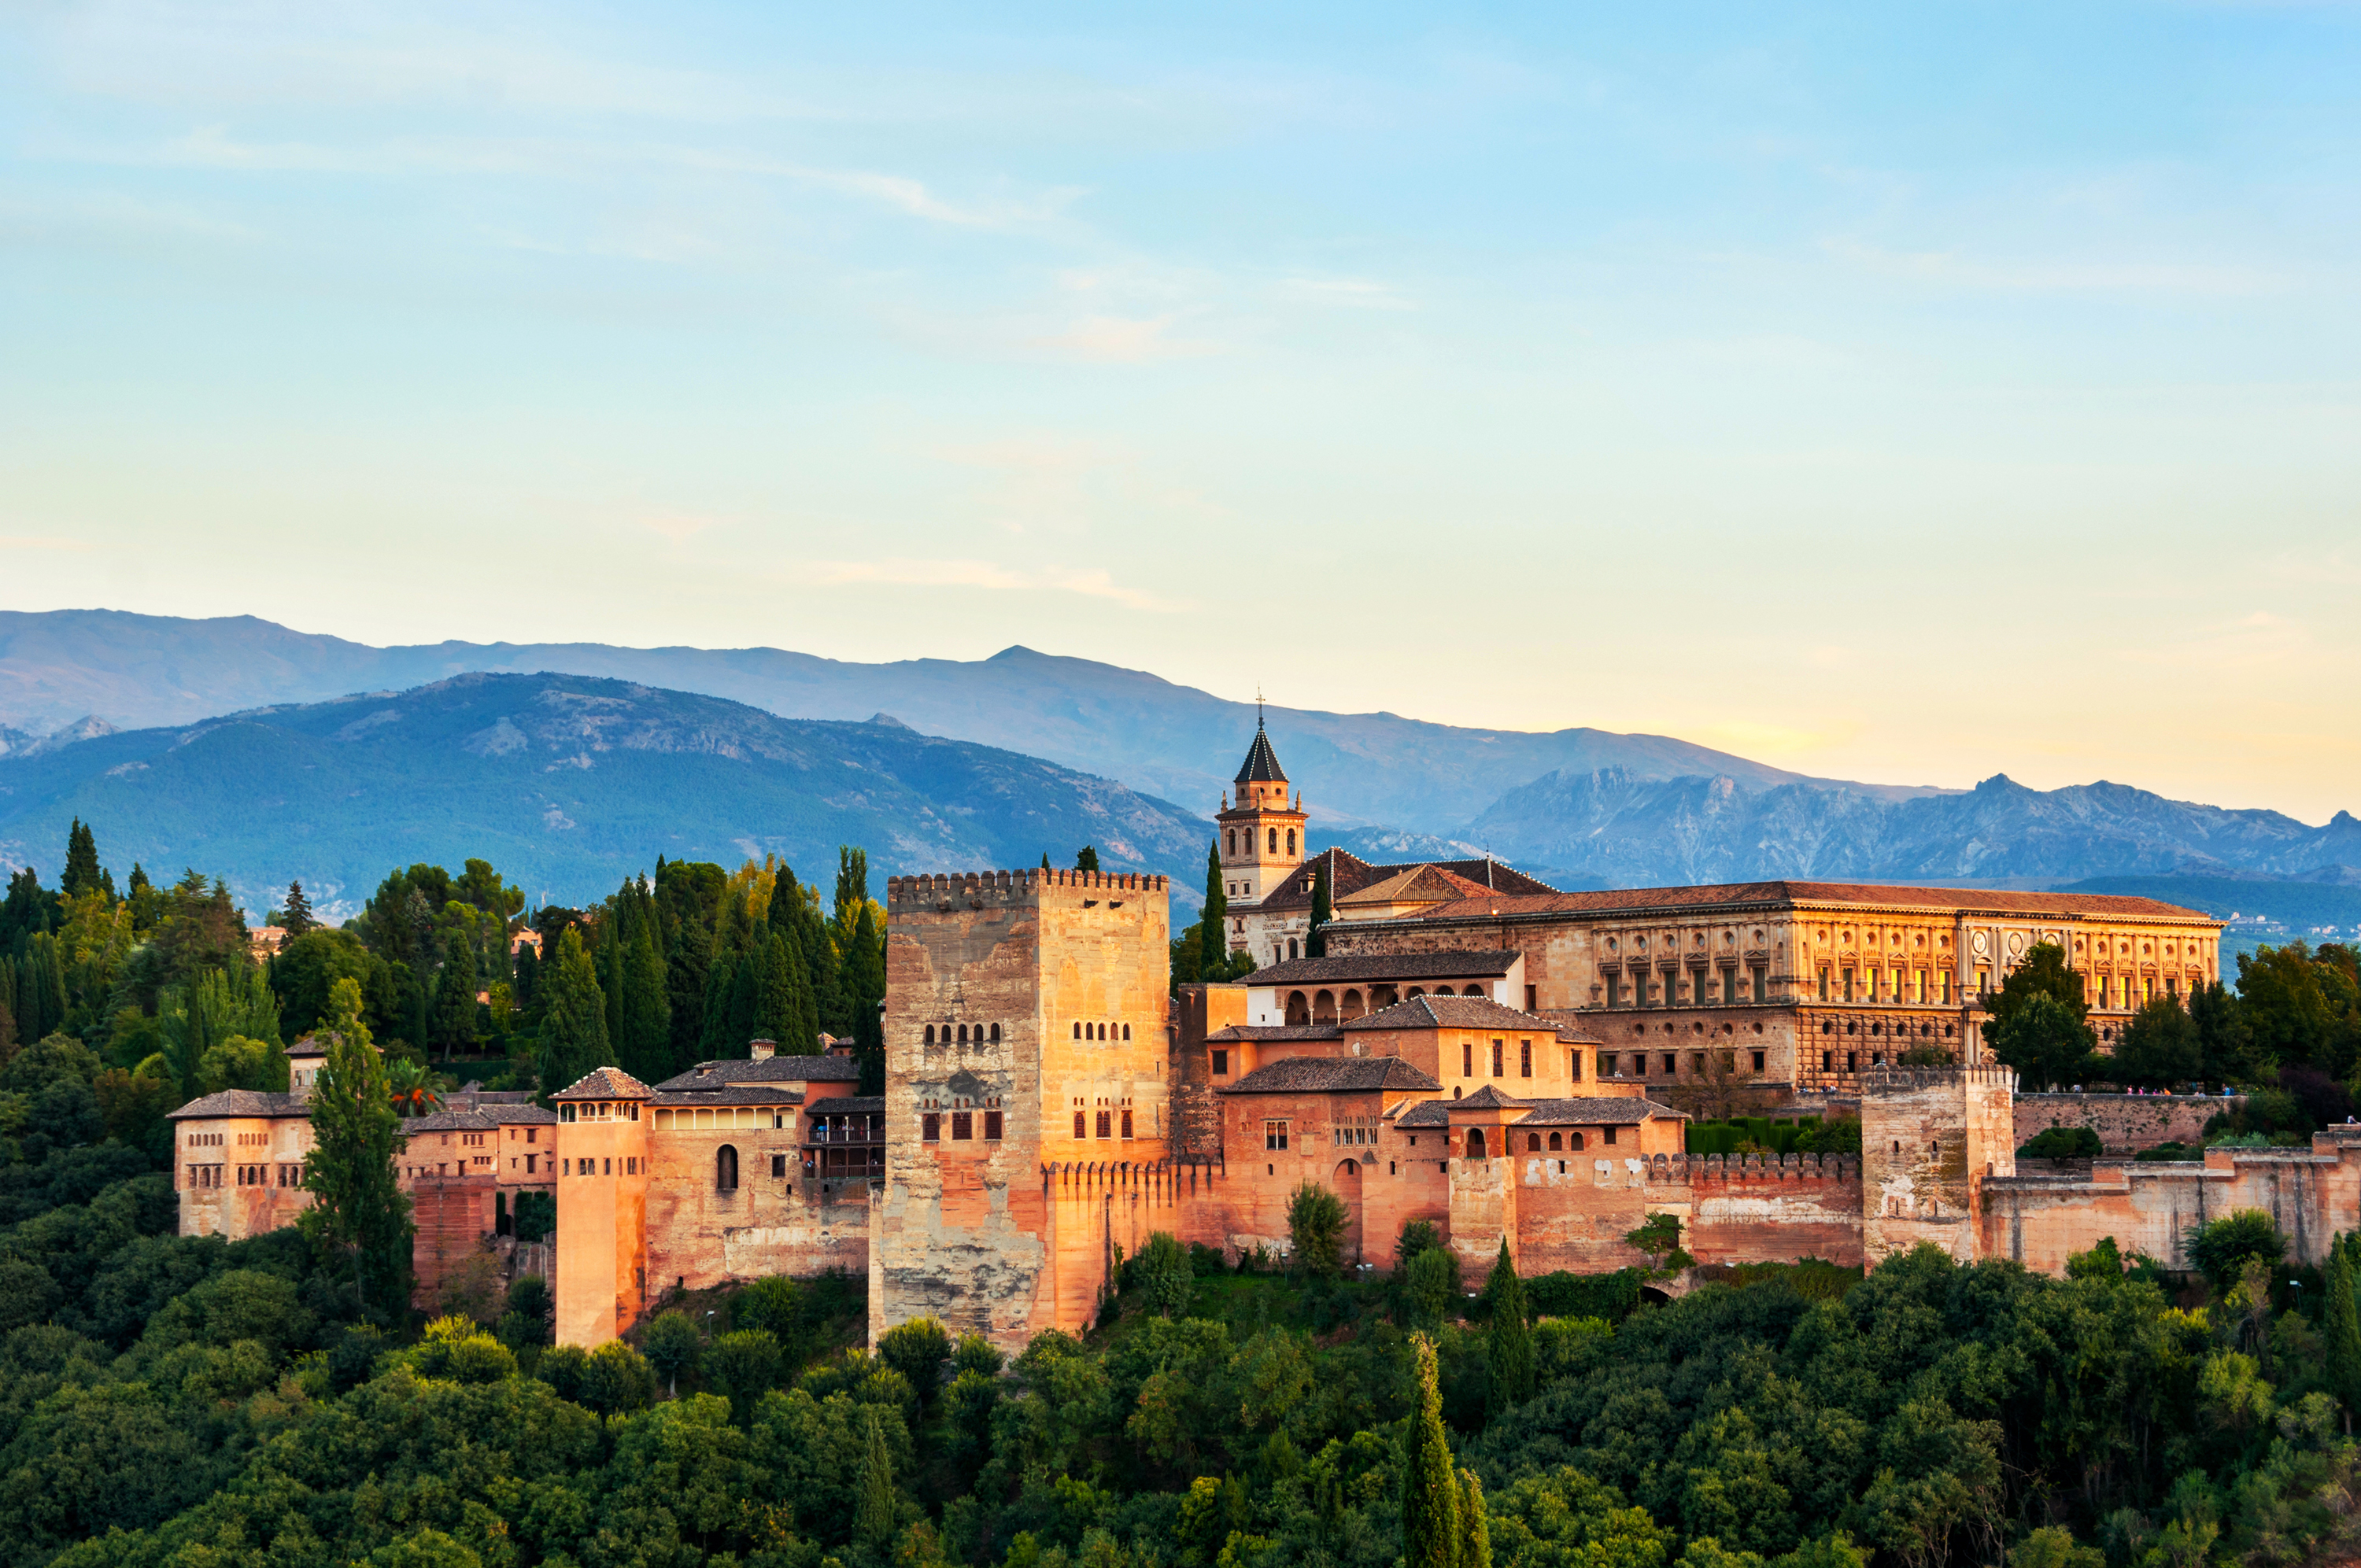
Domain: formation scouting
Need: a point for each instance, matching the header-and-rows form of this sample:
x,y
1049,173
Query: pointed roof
x,y
1261,766
604,1083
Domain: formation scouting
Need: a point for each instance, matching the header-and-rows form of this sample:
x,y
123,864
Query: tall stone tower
x,y
1025,1098
1930,1136
1262,827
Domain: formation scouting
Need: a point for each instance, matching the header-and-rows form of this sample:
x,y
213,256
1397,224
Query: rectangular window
x,y
1126,1123
991,1126
1496,1058
1606,1064
1274,1135
1729,985
1828,1061
1762,989
1574,1066
1672,1064
930,1128
1221,1063
1847,985
1614,991
1466,1059
1824,983
1106,1125
1525,1058
962,1126
1611,1134
778,1167
1850,1059
1532,998
1758,1061
1921,988
1945,981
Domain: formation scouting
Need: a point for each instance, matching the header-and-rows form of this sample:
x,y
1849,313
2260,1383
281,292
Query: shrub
x,y
2060,1142
1164,1274
917,1350
976,1354
2220,1250
1315,1230
1608,1296
616,1379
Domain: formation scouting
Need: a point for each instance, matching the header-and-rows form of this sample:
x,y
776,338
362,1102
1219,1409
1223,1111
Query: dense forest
x,y
198,1402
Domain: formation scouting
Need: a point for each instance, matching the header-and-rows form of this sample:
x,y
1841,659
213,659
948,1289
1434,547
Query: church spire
x,y
1261,766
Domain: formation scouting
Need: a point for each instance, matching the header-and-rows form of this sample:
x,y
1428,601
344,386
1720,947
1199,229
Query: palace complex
x,y
1514,1064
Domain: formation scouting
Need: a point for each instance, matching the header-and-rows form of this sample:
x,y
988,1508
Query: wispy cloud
x,y
1122,340
1090,583
1350,294
1954,268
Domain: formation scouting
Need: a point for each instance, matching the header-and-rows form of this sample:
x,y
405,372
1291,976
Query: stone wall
x,y
2125,1123
208,1159
1927,1136
453,1218
2311,1196
699,1235
602,1217
1770,1208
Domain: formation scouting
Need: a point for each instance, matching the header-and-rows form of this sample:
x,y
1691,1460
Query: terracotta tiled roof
x,y
604,1083
1788,895
448,1122
732,1094
242,1103
519,1115
1589,1113
765,1070
1348,873
1261,766
1252,1032
1331,1075
1461,1013
1431,885
1488,1098
309,1045
853,1104
1485,964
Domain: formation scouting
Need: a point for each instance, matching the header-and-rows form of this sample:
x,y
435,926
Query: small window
x,y
962,1034
1078,1125
1466,1059
962,1126
1078,1031
1525,1058
1274,1135
991,1126
725,1168
995,1034
1126,1031
1533,1143
1556,1141
1496,1058
1221,1063
1611,1134
1126,1123
1106,1125
1574,1066
1574,1140
930,1035
778,1167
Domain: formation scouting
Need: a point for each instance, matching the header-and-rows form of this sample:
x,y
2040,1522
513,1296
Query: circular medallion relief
x,y
1982,943
2015,942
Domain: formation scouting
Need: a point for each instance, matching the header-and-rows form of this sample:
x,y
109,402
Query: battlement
x,y
945,889
1909,1080
1687,1170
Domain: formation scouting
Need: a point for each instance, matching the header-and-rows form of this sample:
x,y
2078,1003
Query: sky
x,y
1903,393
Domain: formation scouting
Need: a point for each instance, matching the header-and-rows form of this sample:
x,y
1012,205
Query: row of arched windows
x,y
1098,1031
1274,841
979,1037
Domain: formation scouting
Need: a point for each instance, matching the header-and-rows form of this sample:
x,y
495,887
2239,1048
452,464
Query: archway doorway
x,y
1347,1183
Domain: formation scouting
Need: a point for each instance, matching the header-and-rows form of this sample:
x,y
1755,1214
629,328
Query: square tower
x,y
1261,827
1025,1052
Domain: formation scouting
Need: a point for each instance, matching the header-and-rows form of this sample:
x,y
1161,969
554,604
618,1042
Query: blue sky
x,y
1881,392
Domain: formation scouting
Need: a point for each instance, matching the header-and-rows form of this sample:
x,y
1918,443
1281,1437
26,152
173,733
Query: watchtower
x,y
1261,825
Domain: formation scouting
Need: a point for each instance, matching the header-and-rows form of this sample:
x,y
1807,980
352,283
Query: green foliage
x,y
872,1523
1431,1281
1509,1347
1659,1236
917,1350
1086,859
1164,1274
2221,1248
574,1017
2043,1038
2340,1326
1315,1230
2061,1142
1431,1497
1562,1518
615,1379
672,1346
1316,945
535,1216
742,1366
2160,1047
359,1216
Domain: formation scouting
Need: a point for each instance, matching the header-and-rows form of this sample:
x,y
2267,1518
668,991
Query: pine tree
x,y
1088,860
1316,947
1431,1493
295,919
362,1220
574,1017
872,1519
1508,1353
455,996
2340,1326
644,1047
83,874
783,996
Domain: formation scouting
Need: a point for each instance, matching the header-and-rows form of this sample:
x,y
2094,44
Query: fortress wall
x,y
2125,1123
1770,1208
2311,1196
1927,1136
700,1236
454,1217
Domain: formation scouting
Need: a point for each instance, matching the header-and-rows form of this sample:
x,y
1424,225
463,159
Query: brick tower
x,y
1025,1102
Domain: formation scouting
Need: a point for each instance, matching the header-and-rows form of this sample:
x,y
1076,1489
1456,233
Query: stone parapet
x,y
2125,1123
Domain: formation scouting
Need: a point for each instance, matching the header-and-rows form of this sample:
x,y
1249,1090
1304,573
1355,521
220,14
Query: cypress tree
x,y
645,1046
362,1220
1476,1543
83,874
872,1519
1431,1493
688,970
574,1037
1316,946
865,980
783,996
455,994
2340,1326
1508,1349
1088,860
1213,928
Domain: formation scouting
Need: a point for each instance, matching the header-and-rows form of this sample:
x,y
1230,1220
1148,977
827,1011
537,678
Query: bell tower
x,y
1262,825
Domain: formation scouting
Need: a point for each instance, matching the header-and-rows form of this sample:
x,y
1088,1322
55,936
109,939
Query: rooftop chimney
x,y
763,1050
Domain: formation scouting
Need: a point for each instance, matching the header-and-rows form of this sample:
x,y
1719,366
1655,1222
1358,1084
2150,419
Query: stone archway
x,y
1299,1008
1346,1180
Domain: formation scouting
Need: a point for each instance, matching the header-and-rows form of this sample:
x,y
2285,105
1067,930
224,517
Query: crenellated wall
x,y
2126,1123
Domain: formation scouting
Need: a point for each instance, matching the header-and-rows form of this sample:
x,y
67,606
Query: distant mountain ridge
x,y
568,784
1173,741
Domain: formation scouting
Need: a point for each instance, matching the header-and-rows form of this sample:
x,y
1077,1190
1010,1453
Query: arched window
x,y
1078,1124
1233,836
1291,843
725,1168
1533,1143
930,1033
1126,1031
1578,1141
995,1034
963,1034
1078,1031
1476,1143
1274,840
1555,1143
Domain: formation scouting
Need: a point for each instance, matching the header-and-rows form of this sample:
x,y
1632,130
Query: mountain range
x,y
567,785
1580,807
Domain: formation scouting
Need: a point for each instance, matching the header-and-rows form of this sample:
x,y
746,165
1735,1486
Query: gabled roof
x,y
764,1070
518,1115
1429,885
242,1103
855,1104
1332,1075
450,1122
1598,1112
1348,874
308,1046
604,1083
1462,1013
1485,1099
1261,766
1488,964
732,1094
1245,1032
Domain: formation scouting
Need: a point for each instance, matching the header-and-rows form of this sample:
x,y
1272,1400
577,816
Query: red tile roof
x,y
1789,895
604,1083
